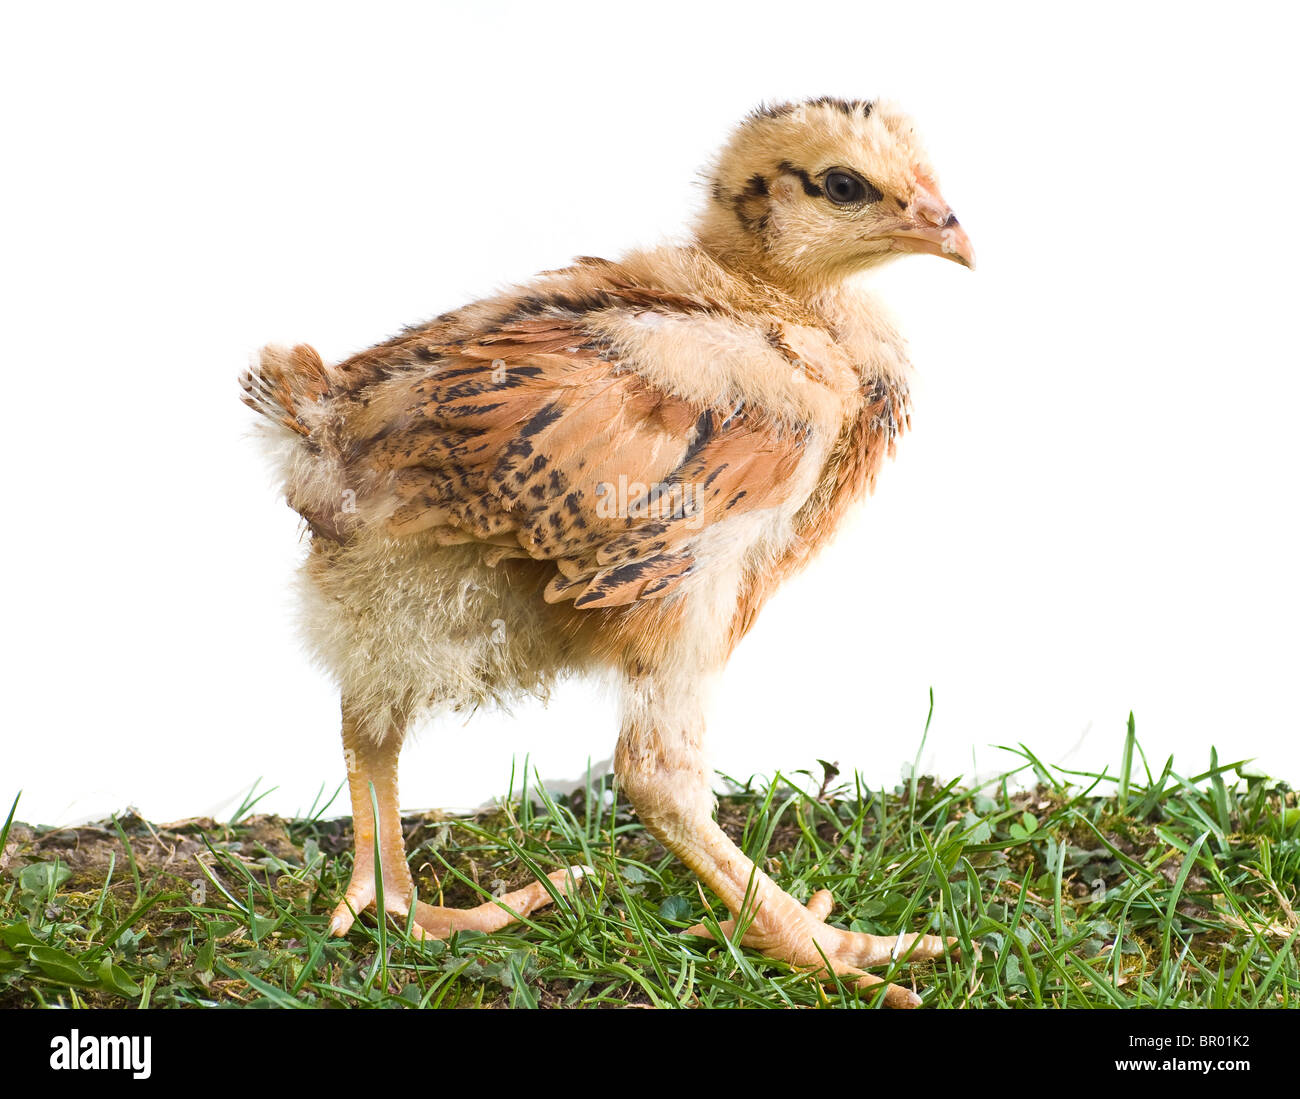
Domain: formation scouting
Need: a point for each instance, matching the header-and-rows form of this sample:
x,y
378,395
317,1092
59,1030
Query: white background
x,y
1095,512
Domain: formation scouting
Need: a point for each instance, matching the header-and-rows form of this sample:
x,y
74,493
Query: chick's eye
x,y
844,189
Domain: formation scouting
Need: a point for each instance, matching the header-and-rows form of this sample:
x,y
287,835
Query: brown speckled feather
x,y
530,439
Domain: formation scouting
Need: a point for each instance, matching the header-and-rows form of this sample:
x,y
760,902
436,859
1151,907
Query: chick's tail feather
x,y
292,388
288,386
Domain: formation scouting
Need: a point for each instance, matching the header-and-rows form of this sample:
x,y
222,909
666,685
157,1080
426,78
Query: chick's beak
x,y
930,227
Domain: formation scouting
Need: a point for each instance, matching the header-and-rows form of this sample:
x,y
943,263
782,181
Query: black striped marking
x,y
853,108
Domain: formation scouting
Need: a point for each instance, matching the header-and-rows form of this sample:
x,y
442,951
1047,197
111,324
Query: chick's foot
x,y
435,922
796,939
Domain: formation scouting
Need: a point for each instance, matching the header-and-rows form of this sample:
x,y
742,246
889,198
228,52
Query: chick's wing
x,y
529,439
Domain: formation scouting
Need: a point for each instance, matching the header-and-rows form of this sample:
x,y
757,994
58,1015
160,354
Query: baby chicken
x,y
609,470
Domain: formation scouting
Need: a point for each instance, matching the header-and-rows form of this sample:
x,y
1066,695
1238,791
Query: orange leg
x,y
660,763
374,760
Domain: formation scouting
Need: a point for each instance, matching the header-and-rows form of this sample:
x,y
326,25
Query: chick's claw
x,y
803,943
436,922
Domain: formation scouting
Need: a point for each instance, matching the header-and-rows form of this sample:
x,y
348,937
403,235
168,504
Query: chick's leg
x,y
660,763
373,759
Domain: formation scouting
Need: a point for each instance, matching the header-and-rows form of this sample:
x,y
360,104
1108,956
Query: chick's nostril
x,y
928,212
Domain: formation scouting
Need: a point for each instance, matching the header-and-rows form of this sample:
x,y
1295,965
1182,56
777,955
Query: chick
x,y
608,470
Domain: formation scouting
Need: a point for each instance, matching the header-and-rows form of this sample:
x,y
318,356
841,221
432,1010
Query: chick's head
x,y
806,194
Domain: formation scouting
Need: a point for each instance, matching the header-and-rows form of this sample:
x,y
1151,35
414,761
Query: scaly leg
x,y
373,759
660,763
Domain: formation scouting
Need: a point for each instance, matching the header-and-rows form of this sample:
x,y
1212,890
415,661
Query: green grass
x,y
1139,889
